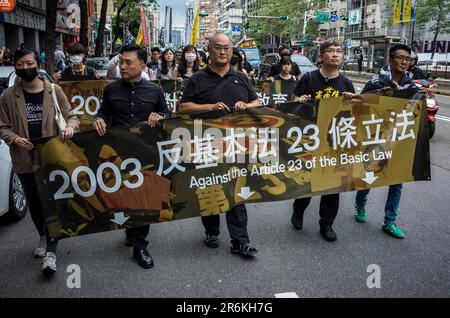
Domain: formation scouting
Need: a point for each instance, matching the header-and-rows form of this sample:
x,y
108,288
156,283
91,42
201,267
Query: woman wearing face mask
x,y
77,70
189,63
236,62
27,111
167,66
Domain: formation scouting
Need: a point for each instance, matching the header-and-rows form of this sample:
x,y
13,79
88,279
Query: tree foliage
x,y
432,14
285,29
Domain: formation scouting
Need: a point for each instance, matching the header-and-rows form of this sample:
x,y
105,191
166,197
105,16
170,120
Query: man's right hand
x,y
219,106
302,99
23,143
100,126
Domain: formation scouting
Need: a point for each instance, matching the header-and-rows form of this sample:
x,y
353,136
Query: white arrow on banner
x,y
245,193
119,218
370,178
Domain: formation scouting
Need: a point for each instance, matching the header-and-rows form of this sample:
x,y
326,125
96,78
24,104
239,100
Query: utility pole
x,y
307,16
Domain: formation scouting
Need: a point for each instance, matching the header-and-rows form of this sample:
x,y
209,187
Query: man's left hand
x,y
240,106
153,119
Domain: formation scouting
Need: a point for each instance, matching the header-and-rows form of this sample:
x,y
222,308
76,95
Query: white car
x,y
13,203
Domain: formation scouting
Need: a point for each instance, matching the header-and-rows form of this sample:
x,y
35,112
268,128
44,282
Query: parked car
x,y
5,71
13,203
98,64
304,64
269,59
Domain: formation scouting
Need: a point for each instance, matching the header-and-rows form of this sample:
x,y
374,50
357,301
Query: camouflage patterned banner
x,y
205,165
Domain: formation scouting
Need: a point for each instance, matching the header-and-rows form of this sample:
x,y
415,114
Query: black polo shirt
x,y
208,87
128,103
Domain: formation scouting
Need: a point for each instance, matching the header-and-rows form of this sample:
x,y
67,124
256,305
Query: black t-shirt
x,y
70,75
319,87
203,88
275,69
279,78
33,105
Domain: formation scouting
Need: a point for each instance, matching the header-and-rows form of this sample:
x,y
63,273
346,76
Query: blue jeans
x,y
392,202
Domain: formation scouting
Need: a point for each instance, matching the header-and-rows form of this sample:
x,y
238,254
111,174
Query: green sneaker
x,y
360,215
393,230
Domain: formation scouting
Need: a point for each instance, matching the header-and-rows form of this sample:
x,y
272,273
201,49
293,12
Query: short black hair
x,y
283,47
285,60
155,49
325,45
18,54
76,48
397,47
140,51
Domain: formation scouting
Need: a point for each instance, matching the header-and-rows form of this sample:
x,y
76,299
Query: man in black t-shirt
x,y
220,87
321,84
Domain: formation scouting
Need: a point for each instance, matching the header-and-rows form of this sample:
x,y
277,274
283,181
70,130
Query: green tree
x,y
283,28
434,12
128,11
101,29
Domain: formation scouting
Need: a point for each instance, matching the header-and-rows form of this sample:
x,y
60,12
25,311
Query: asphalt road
x,y
300,262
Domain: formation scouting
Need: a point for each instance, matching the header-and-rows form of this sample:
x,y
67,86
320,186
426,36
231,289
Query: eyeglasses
x,y
337,51
403,58
219,48
126,63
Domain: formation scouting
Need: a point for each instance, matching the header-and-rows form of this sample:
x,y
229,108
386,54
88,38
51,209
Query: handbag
x,y
59,118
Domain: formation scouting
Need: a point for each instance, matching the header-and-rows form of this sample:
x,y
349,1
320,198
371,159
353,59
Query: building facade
x,y
24,25
207,24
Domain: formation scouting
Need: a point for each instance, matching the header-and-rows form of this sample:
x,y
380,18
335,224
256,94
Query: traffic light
x,y
284,17
343,18
203,14
246,27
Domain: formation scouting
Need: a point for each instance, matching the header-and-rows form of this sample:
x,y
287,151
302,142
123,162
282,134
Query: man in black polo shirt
x,y
220,87
324,83
126,101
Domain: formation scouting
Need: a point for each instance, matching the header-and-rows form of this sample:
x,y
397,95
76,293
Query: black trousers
x,y
34,204
236,223
138,236
329,205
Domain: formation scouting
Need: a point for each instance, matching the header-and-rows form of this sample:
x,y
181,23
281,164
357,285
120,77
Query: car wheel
x,y
18,203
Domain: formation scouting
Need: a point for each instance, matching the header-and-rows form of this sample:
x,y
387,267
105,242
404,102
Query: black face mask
x,y
234,60
27,74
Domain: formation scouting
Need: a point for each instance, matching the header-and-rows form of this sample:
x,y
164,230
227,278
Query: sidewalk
x,y
443,85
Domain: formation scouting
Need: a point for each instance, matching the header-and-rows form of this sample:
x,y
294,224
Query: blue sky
x,y
179,10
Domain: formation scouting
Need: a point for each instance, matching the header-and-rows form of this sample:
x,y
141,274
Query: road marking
x,y
445,118
286,295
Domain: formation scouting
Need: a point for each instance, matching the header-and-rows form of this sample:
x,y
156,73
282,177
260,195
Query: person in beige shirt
x,y
27,111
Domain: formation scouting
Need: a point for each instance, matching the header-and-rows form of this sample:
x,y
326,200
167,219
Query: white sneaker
x,y
41,249
49,263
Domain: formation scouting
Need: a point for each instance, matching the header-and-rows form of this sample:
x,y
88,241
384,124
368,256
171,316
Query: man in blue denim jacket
x,y
394,76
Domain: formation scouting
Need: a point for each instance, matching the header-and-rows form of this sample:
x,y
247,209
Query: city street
x,y
299,262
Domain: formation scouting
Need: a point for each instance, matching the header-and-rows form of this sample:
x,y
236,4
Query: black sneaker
x,y
212,240
243,249
327,233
